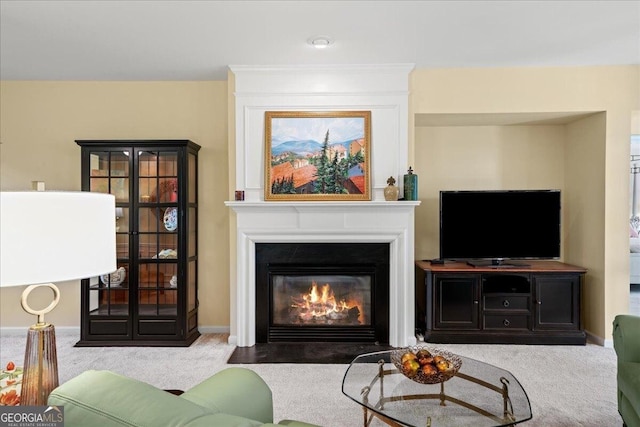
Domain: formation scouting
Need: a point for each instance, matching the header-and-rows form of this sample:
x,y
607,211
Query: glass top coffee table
x,y
478,395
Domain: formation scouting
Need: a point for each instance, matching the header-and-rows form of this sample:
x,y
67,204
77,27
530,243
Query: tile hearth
x,y
313,353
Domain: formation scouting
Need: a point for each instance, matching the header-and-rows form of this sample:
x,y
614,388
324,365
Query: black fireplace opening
x,y
322,292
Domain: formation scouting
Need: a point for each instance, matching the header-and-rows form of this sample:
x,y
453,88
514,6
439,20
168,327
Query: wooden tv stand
x,y
538,304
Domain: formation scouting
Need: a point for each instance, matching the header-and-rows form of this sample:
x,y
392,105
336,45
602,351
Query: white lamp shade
x,y
48,236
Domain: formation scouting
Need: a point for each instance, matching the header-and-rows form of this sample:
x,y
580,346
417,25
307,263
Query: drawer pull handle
x,y
506,322
505,303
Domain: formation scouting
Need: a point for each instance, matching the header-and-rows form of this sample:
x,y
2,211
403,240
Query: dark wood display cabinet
x,y
151,300
536,304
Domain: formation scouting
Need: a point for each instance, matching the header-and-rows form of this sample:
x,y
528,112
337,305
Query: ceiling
x,y
198,40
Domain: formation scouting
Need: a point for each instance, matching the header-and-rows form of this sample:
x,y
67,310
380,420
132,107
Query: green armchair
x,y
626,342
234,397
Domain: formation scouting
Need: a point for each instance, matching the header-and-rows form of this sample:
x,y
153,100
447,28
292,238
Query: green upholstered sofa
x,y
234,397
626,342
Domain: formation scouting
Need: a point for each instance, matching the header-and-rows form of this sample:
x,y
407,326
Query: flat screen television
x,y
491,228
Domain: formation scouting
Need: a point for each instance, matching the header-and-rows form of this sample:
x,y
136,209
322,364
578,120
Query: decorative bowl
x,y
114,279
419,376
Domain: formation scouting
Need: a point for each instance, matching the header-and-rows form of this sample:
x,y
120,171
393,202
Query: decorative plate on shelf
x,y
171,219
426,365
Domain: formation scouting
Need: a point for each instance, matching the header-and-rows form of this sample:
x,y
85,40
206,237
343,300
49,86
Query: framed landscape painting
x,y
317,155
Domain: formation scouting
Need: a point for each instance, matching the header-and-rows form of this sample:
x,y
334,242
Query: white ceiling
x,y
197,40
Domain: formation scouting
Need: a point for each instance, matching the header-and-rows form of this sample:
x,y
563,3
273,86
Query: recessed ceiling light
x,y
320,42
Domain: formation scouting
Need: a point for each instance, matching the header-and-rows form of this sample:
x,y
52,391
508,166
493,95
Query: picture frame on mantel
x,y
317,155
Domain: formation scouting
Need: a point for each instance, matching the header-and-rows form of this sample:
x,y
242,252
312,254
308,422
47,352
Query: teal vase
x,y
410,185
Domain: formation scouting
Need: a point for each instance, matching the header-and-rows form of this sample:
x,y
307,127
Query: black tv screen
x,y
495,225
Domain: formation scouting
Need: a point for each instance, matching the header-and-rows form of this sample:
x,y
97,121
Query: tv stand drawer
x,y
506,321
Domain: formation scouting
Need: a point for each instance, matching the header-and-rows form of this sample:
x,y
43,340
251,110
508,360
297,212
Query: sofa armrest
x,y
626,337
107,399
235,391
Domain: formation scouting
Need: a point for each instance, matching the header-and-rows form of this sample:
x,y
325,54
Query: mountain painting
x,y
317,155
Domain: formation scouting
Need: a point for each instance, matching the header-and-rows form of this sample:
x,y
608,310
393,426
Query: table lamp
x,y
48,237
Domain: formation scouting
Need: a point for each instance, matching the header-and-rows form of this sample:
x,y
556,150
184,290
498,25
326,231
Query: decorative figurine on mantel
x,y
391,191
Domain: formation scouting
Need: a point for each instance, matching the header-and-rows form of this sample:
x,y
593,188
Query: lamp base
x,y
40,371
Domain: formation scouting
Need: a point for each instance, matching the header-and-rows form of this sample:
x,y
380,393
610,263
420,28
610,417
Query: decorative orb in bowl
x,y
426,365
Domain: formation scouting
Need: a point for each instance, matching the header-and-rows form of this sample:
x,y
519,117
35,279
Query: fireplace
x,y
382,89
386,223
322,292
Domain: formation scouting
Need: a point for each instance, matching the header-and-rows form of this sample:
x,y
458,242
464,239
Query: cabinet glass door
x,y
192,250
157,237
109,173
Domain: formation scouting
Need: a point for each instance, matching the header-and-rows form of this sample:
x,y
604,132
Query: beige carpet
x,y
567,385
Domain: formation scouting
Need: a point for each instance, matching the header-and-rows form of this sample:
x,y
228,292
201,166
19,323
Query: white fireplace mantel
x,y
329,222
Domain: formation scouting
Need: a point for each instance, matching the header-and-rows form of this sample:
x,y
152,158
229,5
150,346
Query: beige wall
x,y
39,122
481,158
584,215
591,165
587,159
233,224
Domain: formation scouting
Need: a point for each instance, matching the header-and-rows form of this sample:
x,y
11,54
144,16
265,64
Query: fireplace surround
x,y
391,223
322,292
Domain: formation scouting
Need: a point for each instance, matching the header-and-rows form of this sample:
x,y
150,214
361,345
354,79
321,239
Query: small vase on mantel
x,y
391,191
410,185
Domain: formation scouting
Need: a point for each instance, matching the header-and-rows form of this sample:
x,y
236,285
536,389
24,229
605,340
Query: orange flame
x,y
321,302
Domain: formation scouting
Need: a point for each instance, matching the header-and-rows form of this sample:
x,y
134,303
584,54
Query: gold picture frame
x,y
317,155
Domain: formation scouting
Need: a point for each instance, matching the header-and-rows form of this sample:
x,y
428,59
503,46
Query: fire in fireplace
x,y
337,300
322,292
